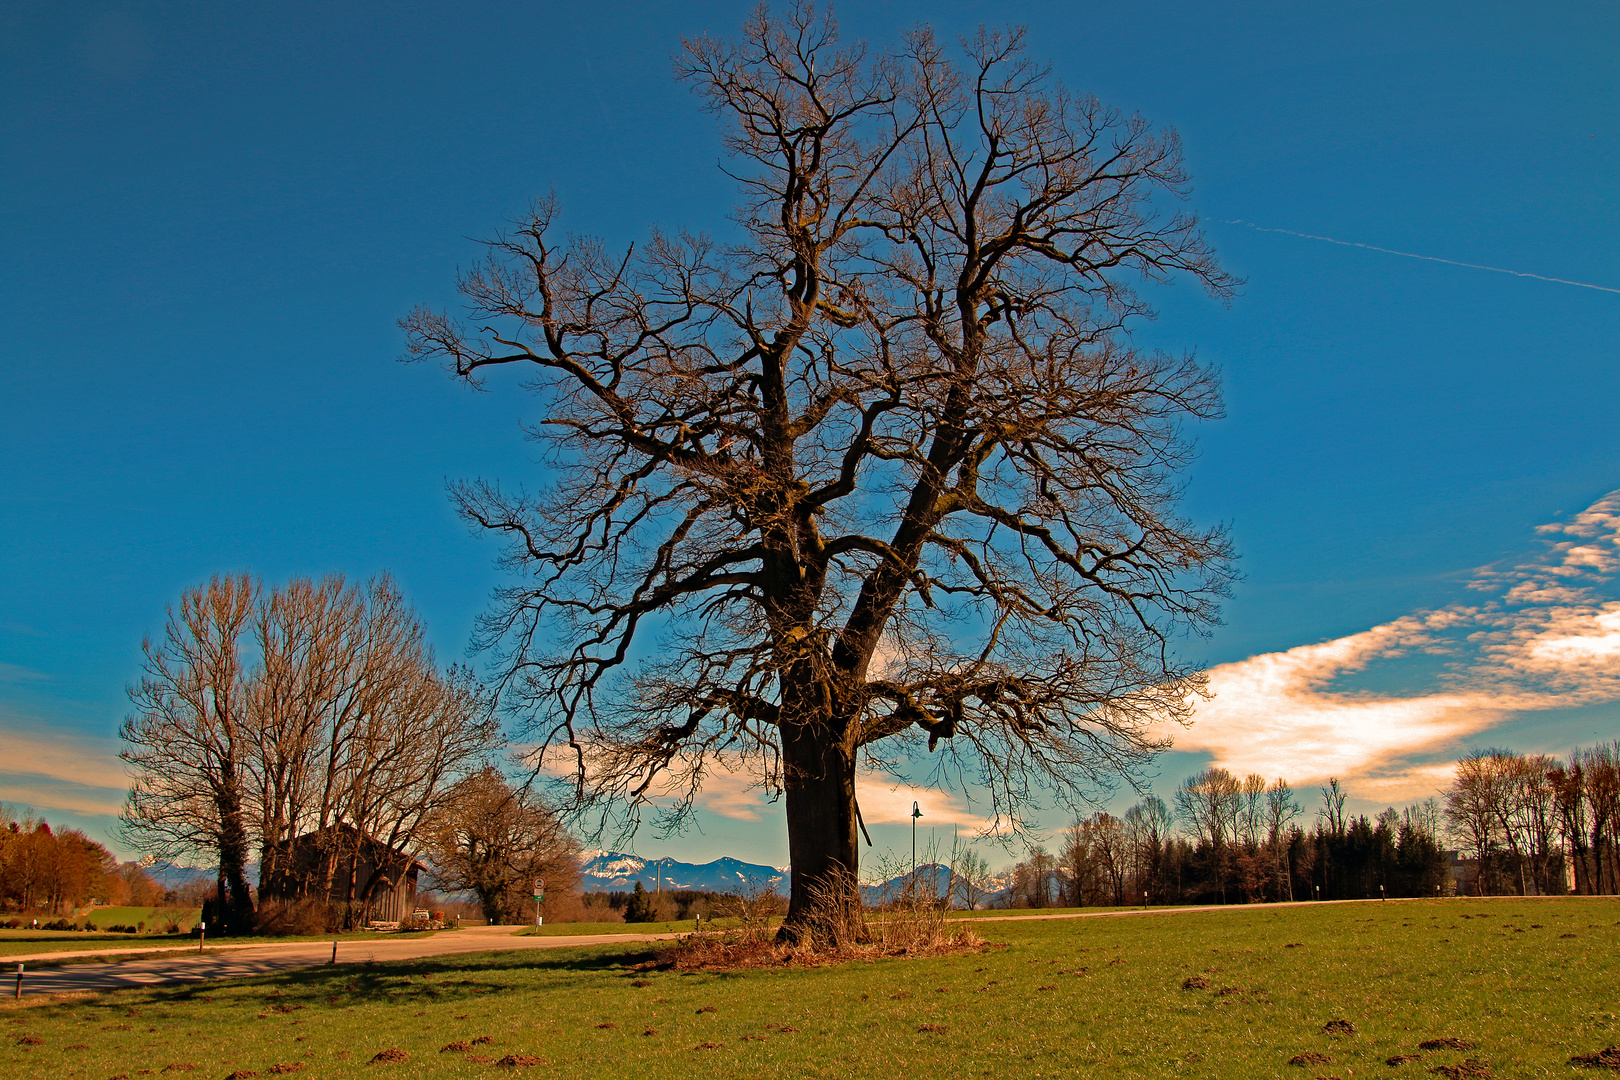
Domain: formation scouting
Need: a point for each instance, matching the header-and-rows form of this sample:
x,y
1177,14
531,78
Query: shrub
x,y
285,918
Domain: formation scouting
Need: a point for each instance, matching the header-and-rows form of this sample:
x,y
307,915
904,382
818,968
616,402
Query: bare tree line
x,y
266,714
1536,824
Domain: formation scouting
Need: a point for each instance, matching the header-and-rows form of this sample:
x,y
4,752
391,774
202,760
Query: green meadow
x,y
1234,993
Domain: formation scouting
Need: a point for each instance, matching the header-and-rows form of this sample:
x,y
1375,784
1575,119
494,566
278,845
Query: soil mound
x,y
1607,1058
390,1056
1445,1044
1339,1027
1472,1069
1312,1058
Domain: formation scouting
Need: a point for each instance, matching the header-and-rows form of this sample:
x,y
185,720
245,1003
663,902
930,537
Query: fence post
x,y
19,982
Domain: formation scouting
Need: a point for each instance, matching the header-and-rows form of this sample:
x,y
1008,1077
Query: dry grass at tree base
x,y
1460,988
839,932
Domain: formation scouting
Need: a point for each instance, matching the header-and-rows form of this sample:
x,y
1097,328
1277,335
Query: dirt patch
x,y
640,982
30,1040
482,1039
1471,1069
936,1028
606,1026
1294,945
77,1046
650,1031
518,1061
391,1056
1310,1058
901,996
1197,982
1339,1027
242,1074
285,1008
707,1008
1228,991
1448,1043
1402,1059
455,1048
286,1067
710,1046
1607,1058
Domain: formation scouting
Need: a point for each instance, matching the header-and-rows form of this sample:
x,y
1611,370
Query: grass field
x,y
153,917
1529,982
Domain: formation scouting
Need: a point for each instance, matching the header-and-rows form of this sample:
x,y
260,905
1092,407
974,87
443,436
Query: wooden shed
x,y
348,869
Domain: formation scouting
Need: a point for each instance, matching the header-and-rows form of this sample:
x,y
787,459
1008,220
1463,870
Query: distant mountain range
x,y
614,871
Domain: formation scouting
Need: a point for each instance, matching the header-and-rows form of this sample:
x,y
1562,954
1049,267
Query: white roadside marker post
x,y
19,982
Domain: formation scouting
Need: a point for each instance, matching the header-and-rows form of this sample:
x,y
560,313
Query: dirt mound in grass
x,y
1196,982
1311,1058
181,1066
390,1056
30,1040
1339,1027
1447,1043
1402,1059
455,1048
285,1067
518,1061
1472,1069
242,1074
1607,1058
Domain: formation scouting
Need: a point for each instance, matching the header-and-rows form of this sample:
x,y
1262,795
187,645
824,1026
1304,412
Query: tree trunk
x,y
819,783
233,855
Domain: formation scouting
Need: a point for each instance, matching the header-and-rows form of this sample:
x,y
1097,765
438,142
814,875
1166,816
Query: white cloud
x,y
62,755
887,802
1544,635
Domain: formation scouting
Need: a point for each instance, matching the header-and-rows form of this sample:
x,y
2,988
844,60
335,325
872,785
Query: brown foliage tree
x,y
885,470
494,841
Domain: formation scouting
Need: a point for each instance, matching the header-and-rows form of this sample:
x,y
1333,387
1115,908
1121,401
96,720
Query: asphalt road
x,y
229,963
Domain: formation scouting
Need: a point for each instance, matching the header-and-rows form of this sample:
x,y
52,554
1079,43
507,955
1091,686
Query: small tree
x,y
494,841
640,906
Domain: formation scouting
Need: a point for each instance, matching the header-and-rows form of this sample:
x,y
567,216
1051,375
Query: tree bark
x,y
819,793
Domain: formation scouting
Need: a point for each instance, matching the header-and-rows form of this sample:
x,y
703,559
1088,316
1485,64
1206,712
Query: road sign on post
x,y
539,898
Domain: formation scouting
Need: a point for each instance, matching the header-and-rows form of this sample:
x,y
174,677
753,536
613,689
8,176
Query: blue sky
x,y
212,216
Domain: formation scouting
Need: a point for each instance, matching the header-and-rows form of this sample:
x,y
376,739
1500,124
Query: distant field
x,y
155,918
686,926
1529,982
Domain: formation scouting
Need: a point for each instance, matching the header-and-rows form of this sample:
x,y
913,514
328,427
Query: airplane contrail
x,y
1412,255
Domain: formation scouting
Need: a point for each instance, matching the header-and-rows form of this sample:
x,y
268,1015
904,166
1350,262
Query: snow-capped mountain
x,y
614,871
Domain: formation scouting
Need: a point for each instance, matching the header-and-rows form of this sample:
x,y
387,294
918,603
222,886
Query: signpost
x,y
539,898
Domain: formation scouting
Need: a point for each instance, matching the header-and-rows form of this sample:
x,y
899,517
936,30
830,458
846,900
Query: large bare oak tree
x,y
883,467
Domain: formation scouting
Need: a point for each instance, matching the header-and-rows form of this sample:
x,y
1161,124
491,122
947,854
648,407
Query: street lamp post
x,y
915,814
